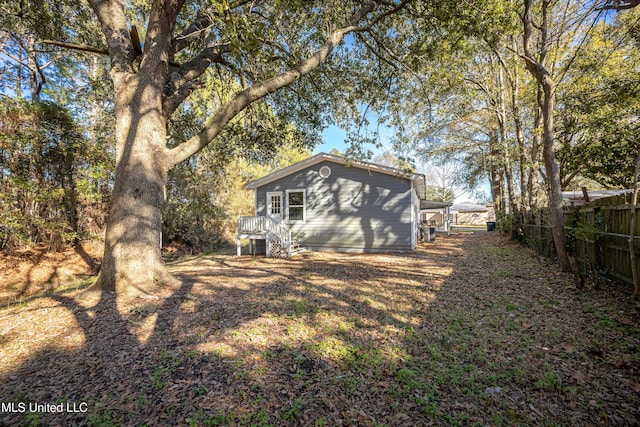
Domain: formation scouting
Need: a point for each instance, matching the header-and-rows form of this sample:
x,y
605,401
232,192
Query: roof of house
x,y
469,207
432,204
418,179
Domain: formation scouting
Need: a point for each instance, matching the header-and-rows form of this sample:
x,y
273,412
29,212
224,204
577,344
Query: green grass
x,y
293,411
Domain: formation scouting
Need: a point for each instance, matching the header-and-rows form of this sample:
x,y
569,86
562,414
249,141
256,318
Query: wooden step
x,y
296,248
298,251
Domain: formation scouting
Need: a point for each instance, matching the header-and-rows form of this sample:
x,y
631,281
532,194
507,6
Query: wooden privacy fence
x,y
598,234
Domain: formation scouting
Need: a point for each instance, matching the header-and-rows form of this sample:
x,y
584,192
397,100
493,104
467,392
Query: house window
x,y
296,205
276,209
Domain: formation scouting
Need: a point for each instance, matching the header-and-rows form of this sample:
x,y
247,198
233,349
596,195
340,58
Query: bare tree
x,y
535,65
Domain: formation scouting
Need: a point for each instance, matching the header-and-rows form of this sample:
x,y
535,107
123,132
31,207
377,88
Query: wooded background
x,y
452,83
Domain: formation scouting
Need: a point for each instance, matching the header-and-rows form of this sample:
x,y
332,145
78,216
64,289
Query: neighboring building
x,y
577,198
472,214
328,203
436,214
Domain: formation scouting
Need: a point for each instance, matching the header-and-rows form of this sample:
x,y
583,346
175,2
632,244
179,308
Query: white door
x,y
274,206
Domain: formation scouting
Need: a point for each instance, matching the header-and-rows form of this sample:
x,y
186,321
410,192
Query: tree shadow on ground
x,y
316,340
92,263
184,358
34,272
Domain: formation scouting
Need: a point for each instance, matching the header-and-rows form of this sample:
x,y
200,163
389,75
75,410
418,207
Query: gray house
x,y
328,203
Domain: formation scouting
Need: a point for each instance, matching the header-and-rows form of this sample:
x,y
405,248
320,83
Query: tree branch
x,y
199,25
377,53
157,46
567,179
577,50
113,22
619,5
228,111
14,58
181,83
503,63
171,103
482,87
391,11
191,33
82,48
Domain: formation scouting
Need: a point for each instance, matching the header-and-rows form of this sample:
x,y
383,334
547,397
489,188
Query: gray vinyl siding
x,y
351,210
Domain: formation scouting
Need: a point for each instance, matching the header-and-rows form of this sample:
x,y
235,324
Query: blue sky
x,y
334,137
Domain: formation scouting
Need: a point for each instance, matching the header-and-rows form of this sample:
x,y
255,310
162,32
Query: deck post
x,y
267,239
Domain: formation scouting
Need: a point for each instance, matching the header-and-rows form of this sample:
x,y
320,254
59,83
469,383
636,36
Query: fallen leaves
x,y
472,329
581,378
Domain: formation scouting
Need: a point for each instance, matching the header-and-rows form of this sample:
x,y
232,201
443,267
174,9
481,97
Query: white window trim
x,y
304,207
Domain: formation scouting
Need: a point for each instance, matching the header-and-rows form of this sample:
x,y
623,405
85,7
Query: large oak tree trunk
x,y
146,95
132,260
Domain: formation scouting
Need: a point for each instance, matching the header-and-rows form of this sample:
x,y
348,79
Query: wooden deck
x,y
277,237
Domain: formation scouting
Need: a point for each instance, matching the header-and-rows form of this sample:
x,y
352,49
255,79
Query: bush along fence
x,y
597,235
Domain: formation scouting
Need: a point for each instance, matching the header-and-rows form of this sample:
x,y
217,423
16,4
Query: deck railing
x,y
281,238
277,236
252,224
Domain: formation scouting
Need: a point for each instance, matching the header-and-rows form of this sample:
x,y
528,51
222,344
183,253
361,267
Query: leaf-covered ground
x,y
29,272
470,330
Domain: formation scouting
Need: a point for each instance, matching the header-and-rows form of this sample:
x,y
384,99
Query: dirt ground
x,y
470,330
